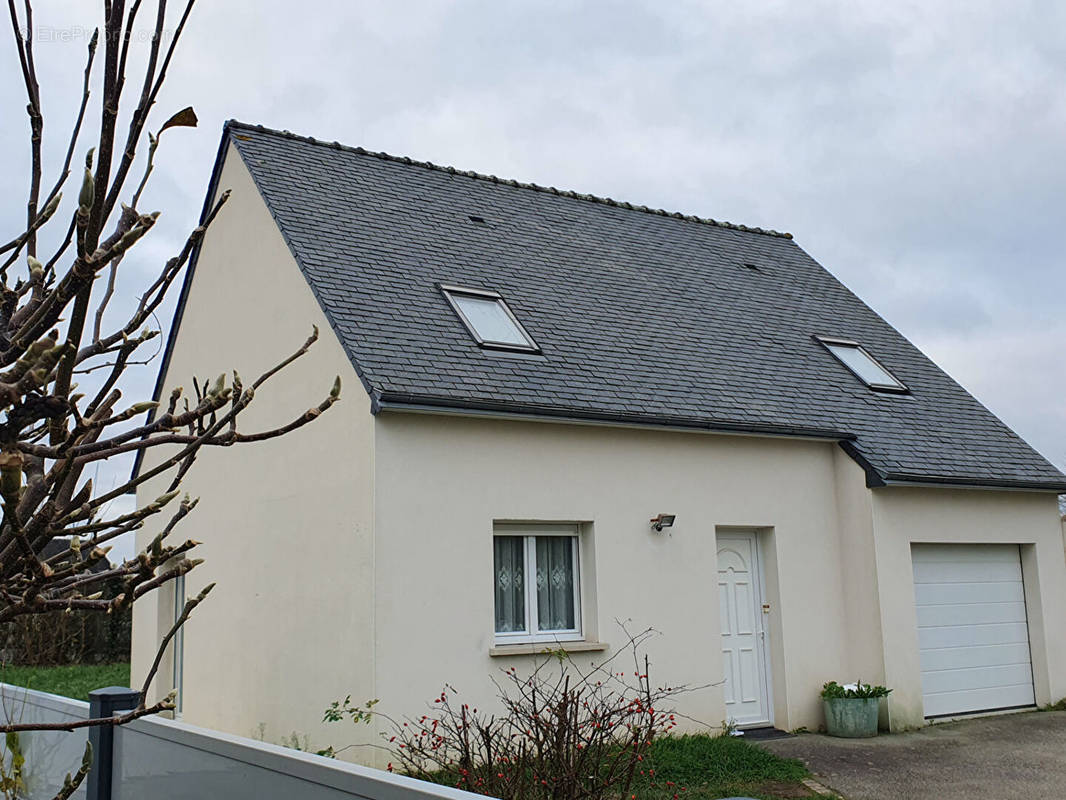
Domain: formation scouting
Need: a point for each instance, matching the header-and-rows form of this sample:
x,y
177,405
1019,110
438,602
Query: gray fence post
x,y
104,703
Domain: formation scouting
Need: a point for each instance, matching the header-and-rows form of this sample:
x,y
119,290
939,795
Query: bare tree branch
x,y
50,433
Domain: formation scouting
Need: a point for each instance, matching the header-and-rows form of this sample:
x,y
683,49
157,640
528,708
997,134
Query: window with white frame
x,y
537,583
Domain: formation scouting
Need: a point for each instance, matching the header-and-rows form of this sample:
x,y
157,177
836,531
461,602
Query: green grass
x,y
708,767
718,766
74,681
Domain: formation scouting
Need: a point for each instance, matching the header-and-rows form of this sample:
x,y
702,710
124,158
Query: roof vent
x,y
479,220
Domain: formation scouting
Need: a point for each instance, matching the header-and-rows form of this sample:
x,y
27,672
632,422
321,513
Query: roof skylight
x,y
488,319
855,357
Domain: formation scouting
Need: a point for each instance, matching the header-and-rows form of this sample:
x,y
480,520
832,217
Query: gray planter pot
x,y
851,717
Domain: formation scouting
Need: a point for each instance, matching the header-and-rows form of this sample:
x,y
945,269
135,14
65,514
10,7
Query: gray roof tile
x,y
641,314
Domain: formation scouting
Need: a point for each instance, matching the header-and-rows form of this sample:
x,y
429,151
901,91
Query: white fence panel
x,y
167,760
50,755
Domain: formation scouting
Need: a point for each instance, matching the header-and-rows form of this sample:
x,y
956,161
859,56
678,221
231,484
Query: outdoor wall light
x,y
662,521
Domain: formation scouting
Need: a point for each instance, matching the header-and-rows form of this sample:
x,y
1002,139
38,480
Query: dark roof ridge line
x,y
607,201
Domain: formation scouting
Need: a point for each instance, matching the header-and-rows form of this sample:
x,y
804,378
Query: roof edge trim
x,y
179,308
946,482
405,403
874,479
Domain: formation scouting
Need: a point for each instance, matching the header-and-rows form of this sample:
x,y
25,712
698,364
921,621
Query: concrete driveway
x,y
991,758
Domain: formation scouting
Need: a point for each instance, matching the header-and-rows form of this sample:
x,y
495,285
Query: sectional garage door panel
x,y
1004,591
938,636
977,700
973,634
974,656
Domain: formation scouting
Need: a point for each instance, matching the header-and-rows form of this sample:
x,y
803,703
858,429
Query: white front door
x,y
740,601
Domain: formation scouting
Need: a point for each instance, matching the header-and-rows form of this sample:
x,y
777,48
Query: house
x,y
531,375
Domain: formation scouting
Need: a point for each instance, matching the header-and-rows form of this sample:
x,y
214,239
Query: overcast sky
x,y
914,148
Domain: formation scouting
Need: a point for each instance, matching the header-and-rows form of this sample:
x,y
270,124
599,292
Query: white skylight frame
x,y
885,382
454,295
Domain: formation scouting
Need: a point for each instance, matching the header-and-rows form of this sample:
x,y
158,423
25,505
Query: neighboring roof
x,y
642,316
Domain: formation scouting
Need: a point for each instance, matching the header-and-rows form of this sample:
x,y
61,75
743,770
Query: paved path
x,y
991,758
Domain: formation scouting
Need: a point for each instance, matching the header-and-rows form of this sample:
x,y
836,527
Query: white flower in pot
x,y
851,710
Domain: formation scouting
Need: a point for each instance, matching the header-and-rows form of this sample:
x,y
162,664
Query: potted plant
x,y
851,710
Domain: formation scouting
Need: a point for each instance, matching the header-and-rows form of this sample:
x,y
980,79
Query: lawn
x,y
74,681
718,766
703,767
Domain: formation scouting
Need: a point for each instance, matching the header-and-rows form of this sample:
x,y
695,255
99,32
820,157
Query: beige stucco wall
x,y
859,569
442,481
905,515
285,524
837,555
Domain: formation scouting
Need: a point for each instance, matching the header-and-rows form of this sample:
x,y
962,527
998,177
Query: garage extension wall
x,y
903,516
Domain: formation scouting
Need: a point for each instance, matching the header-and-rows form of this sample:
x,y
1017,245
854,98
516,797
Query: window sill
x,y
537,648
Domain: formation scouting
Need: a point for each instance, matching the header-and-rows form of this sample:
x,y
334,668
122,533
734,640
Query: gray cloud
x,y
915,149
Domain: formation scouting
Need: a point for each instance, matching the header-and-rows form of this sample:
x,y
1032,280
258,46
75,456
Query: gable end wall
x,y
286,523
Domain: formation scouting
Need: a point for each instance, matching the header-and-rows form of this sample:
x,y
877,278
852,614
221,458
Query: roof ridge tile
x,y
607,201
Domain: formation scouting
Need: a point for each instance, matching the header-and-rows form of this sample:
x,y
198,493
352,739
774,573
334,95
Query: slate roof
x,y
642,316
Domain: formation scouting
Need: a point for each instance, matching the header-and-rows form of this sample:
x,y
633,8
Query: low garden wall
x,y
165,760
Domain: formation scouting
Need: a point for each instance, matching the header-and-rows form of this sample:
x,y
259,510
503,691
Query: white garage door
x,y
973,633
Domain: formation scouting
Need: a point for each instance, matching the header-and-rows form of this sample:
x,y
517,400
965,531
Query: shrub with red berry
x,y
566,732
